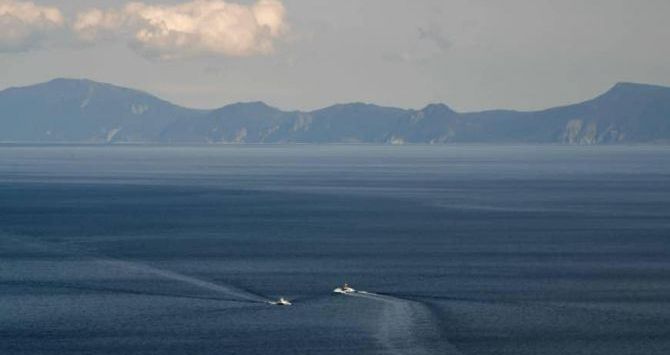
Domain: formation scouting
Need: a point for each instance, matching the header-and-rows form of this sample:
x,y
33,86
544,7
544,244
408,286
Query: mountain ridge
x,y
86,111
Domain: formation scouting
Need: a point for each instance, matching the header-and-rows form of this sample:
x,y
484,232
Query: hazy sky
x,y
304,54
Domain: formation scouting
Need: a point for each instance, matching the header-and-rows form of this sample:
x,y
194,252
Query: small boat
x,y
344,289
281,302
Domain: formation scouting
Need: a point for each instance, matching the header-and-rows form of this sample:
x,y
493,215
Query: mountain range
x,y
84,111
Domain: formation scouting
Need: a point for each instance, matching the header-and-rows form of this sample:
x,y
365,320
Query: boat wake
x,y
224,289
84,254
408,327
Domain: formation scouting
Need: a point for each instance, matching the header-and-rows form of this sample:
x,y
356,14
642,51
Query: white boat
x,y
281,302
344,289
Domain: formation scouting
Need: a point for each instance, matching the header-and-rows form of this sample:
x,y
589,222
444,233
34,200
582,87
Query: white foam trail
x,y
85,255
407,327
228,290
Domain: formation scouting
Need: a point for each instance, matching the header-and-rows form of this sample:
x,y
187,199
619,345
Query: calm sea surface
x,y
459,249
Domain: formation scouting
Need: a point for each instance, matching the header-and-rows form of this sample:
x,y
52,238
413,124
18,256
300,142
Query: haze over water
x,y
462,249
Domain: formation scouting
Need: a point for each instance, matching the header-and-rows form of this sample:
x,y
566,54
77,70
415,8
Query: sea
x,y
455,249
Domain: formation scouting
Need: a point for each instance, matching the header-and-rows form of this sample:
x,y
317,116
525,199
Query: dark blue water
x,y
463,250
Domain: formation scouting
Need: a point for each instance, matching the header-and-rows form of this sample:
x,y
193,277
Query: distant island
x,y
84,111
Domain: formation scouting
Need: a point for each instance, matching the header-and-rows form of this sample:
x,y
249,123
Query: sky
x,y
305,54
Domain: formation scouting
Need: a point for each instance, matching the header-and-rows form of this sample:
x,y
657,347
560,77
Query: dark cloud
x,y
435,35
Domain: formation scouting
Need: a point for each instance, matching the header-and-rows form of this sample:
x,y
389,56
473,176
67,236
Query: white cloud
x,y
93,24
25,25
199,27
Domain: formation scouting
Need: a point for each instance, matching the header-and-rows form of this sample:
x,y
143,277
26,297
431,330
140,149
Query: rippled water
x,y
457,249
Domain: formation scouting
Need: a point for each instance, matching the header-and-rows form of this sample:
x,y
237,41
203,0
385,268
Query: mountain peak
x,y
629,87
71,82
359,107
250,105
437,108
78,84
355,105
626,91
253,108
